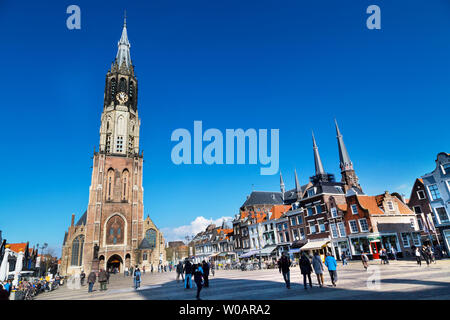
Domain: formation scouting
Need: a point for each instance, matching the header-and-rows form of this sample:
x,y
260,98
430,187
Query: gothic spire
x,y
282,188
317,162
297,185
344,159
123,51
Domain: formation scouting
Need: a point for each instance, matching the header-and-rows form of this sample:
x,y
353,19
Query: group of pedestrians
x,y
307,265
426,253
200,273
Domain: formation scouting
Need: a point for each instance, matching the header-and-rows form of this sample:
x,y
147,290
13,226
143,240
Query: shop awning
x,y
248,254
213,255
312,245
266,251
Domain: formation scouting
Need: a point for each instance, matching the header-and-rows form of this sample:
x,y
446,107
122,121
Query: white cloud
x,y
197,225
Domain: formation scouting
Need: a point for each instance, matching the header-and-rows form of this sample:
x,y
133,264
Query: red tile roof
x,y
278,210
17,247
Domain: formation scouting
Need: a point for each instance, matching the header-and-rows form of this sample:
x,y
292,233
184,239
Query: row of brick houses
x,y
325,215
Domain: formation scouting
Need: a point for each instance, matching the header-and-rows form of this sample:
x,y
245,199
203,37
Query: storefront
x,y
340,246
322,247
361,244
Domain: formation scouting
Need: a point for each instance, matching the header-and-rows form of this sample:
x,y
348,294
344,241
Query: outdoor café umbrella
x,y
4,267
19,265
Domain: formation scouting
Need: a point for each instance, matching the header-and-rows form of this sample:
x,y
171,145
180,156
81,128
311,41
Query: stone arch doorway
x,y
115,261
128,260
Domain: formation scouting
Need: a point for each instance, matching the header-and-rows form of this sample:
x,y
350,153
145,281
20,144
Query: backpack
x,y
138,277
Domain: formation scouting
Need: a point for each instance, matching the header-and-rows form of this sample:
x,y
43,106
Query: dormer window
x,y
390,206
354,209
311,192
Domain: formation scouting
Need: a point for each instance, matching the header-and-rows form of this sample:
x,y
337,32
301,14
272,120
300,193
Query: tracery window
x,y
115,230
150,235
77,251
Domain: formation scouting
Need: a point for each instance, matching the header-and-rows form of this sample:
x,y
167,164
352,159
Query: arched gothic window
x,y
131,91
113,89
115,230
110,184
77,251
123,85
150,235
125,183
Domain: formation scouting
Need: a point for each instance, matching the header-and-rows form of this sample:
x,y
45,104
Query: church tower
x,y
349,178
113,233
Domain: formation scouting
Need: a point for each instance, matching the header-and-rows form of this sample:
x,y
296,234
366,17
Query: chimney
x,y
73,219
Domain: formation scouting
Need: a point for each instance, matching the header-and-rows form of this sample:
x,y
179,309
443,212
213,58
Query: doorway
x,y
114,263
375,249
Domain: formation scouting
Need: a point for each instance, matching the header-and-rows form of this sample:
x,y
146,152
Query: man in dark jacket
x,y
305,268
198,273
205,267
82,277
91,280
283,265
188,270
102,278
180,271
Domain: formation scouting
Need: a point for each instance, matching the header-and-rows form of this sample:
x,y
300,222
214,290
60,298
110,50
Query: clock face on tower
x,y
122,97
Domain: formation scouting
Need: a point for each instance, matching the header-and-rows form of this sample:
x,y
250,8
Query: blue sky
x,y
291,65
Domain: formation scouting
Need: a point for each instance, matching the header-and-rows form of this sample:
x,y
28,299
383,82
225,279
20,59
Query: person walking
x,y
143,269
82,277
125,272
102,278
318,268
424,254
365,260
430,253
187,274
213,268
305,269
179,270
344,258
137,277
205,268
198,273
331,264
131,271
284,265
151,270
394,253
91,280
418,257
382,255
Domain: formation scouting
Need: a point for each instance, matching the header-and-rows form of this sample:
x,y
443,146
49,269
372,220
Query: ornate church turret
x,y
349,178
119,132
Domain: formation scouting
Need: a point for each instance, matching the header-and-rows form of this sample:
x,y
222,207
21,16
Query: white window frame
x,y
361,227
333,230
321,222
350,225
333,211
416,239
312,227
353,208
419,192
431,194
406,245
439,217
344,233
311,192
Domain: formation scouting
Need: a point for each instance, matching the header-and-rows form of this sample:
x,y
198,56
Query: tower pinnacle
x,y
317,162
345,162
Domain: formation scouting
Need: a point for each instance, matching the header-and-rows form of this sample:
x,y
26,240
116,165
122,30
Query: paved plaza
x,y
398,280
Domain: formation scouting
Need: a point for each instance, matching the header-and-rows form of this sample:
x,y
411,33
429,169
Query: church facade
x,y
113,233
